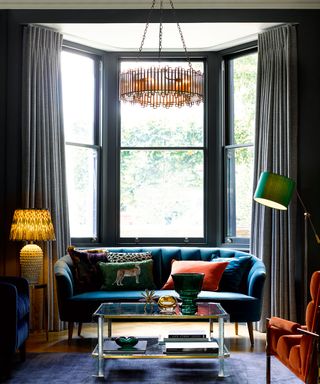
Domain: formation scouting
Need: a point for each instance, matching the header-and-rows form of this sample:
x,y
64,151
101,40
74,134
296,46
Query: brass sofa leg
x,y
236,328
79,329
250,329
70,331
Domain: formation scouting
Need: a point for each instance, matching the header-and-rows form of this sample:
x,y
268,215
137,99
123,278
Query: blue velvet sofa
x,y
14,321
242,306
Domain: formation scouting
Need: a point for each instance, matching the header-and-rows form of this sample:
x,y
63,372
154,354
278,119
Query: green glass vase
x,y
188,286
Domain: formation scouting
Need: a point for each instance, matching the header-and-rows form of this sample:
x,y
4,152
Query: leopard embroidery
x,y
122,273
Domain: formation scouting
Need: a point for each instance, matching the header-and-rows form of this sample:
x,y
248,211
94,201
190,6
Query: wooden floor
x,y
58,341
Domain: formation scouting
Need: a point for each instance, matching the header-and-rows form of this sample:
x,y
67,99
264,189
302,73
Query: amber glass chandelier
x,y
162,86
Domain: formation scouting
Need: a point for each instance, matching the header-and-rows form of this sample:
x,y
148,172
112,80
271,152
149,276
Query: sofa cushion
x,y
212,271
86,273
123,257
127,276
234,272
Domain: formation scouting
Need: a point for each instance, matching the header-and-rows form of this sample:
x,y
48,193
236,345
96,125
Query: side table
x,y
43,286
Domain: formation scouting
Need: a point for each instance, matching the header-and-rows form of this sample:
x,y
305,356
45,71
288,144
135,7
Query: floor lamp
x,y
276,191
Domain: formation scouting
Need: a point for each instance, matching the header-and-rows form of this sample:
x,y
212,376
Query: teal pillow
x,y
234,273
127,276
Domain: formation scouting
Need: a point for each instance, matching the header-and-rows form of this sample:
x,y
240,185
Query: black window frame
x,y
96,57
170,240
228,129
215,123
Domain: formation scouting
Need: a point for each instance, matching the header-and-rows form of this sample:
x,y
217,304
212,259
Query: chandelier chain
x,y
162,86
181,35
147,26
160,30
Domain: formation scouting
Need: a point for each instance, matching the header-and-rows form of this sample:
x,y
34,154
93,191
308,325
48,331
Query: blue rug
x,y
77,368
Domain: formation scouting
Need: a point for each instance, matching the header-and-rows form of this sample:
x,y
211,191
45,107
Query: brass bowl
x,y
167,303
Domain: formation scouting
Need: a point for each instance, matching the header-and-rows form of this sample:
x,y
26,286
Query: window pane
x,y
161,127
244,98
82,190
78,97
161,193
239,187
174,127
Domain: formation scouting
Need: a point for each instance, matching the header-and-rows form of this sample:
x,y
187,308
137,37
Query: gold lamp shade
x,y
31,225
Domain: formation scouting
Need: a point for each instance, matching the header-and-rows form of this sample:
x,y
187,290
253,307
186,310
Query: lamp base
x,y
31,262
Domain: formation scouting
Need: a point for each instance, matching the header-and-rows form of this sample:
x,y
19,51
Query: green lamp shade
x,y
274,190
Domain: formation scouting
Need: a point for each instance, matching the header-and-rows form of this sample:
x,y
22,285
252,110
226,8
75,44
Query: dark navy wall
x,y
11,23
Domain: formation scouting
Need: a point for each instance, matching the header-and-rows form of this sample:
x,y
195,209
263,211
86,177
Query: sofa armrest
x,y
20,283
14,292
256,280
64,278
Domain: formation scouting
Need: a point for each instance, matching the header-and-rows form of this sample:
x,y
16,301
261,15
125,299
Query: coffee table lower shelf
x,y
154,350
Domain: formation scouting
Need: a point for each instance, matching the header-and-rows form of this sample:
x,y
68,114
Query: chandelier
x,y
162,86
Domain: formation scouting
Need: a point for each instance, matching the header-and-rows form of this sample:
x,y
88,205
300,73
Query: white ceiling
x,y
127,37
131,4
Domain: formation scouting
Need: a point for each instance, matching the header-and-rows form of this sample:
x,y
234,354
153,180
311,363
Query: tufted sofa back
x,y
163,257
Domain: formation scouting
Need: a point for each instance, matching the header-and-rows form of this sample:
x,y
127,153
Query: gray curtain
x,y
43,151
273,231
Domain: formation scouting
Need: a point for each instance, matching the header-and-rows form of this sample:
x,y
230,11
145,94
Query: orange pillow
x,y
212,272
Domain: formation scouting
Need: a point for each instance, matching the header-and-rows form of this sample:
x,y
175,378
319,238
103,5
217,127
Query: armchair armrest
x,y
305,332
286,325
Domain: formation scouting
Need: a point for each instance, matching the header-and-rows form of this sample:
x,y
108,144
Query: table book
x,y
191,347
185,335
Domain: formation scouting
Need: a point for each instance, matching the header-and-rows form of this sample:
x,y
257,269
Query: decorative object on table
x,y
188,286
149,298
126,341
276,191
162,85
110,346
31,225
167,304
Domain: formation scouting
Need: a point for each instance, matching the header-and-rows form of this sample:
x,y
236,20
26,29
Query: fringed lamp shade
x,y
274,190
162,86
31,225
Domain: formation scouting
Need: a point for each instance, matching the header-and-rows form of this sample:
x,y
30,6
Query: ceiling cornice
x,y
142,4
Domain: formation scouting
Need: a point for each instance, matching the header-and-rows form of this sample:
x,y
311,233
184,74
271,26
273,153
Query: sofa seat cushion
x,y
285,352
108,296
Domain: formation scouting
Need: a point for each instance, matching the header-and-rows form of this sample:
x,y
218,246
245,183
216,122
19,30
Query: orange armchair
x,y
294,345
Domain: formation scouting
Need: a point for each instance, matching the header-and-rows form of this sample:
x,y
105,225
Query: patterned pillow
x,y
87,276
127,276
121,257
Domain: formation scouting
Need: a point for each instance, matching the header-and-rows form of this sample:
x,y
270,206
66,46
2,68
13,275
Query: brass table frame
x,y
135,311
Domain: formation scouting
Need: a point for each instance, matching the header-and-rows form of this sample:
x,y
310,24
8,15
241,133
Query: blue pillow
x,y
233,274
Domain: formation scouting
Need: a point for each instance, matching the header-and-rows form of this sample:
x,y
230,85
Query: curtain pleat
x,y
43,153
273,231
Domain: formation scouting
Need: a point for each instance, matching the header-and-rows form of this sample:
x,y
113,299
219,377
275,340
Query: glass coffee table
x,y
107,312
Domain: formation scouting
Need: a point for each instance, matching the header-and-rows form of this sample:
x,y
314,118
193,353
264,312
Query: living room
x,y
210,226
